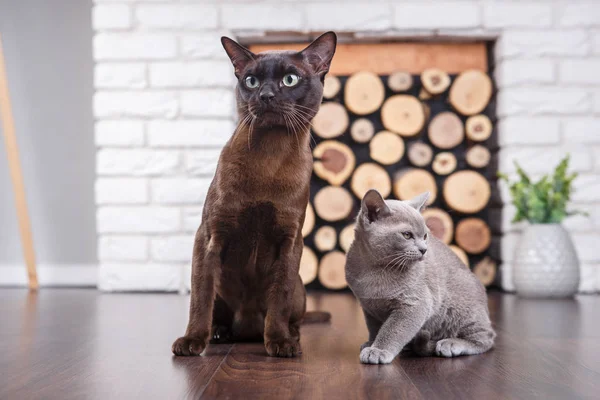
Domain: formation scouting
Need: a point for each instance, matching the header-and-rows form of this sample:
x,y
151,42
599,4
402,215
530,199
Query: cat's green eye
x,y
291,80
252,82
407,235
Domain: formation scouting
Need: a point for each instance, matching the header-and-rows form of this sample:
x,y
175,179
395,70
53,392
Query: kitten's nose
x,y
423,251
266,96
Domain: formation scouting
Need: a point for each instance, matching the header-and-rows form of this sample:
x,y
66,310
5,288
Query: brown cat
x,y
245,282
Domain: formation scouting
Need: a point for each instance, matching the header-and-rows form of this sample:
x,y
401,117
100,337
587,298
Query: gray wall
x,y
48,51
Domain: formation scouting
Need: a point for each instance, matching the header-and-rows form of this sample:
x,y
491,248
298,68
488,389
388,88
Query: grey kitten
x,y
413,289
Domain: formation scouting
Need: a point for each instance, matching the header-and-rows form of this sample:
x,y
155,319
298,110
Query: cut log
x,y
334,161
309,221
333,203
444,163
386,148
473,235
478,156
426,111
362,130
331,120
347,237
467,191
309,264
446,130
325,238
424,94
435,81
400,81
332,273
485,270
420,154
403,114
413,182
439,223
461,254
471,92
370,176
478,127
364,93
331,86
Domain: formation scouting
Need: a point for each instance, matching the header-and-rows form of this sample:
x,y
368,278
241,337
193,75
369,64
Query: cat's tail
x,y
316,317
422,344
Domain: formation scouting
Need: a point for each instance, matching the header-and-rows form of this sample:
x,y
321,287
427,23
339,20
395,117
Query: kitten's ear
x,y
418,202
239,55
373,206
320,52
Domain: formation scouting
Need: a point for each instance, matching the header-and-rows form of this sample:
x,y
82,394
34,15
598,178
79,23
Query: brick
x,y
513,14
123,248
208,103
506,271
111,16
596,152
582,130
587,189
521,72
587,246
179,190
587,278
202,162
213,133
134,46
508,246
136,162
140,277
580,14
543,159
172,248
529,130
206,45
533,101
192,217
579,222
135,104
121,191
120,76
119,133
171,16
262,16
596,41
138,219
329,16
443,15
580,71
214,73
531,44
596,102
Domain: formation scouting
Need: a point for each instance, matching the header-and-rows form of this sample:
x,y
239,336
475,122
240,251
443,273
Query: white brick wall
x,y
164,106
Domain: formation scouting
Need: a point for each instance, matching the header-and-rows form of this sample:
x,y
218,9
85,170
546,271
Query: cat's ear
x,y
373,206
418,202
239,55
320,52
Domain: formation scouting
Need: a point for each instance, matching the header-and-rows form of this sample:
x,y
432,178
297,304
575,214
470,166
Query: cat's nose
x,y
423,251
266,96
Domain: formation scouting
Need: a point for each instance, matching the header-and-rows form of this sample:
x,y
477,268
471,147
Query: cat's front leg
x,y
373,325
400,327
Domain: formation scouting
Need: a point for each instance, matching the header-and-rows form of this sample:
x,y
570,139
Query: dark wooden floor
x,y
81,344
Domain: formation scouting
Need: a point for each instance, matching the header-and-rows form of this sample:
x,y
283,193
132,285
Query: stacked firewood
x,y
402,135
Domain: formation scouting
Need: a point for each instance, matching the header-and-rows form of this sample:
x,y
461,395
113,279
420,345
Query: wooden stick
x,y
12,152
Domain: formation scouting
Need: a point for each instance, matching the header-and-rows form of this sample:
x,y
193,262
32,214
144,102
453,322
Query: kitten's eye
x,y
425,237
252,82
407,235
291,80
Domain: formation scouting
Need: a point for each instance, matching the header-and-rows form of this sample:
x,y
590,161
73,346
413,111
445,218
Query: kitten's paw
x,y
188,346
373,355
366,344
449,348
283,348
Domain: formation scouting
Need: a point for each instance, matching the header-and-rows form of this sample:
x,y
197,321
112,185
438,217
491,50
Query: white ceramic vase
x,y
546,263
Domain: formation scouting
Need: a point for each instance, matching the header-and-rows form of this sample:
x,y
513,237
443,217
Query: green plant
x,y
545,201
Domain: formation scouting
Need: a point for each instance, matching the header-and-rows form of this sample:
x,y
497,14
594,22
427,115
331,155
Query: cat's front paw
x,y
449,348
373,355
188,346
366,344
